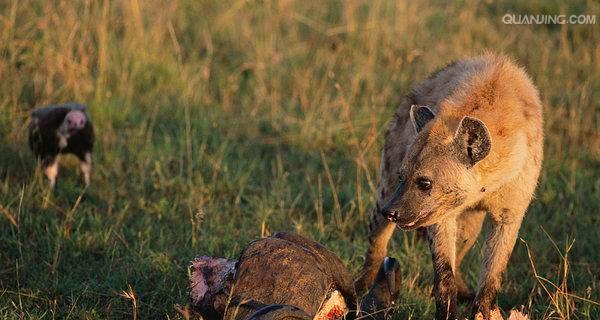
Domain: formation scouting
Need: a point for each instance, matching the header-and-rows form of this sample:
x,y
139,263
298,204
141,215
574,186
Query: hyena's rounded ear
x,y
420,115
473,138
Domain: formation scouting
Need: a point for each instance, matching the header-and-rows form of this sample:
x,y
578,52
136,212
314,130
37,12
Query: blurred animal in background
x,y
286,276
62,129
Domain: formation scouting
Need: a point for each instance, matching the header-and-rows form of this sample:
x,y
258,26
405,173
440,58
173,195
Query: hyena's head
x,y
437,176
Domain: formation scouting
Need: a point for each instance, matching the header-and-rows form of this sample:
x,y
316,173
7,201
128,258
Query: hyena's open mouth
x,y
412,224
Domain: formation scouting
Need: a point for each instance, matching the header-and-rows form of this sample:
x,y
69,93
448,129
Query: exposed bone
x,y
333,308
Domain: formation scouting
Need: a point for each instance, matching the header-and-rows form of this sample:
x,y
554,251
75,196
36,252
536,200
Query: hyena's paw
x,y
484,309
495,314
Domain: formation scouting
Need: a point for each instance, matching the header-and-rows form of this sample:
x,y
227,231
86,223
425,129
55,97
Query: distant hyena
x,y
465,142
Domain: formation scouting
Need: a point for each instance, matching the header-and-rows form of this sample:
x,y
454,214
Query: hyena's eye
x,y
423,183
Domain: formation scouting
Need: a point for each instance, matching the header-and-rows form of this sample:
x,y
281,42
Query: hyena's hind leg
x,y
469,228
380,232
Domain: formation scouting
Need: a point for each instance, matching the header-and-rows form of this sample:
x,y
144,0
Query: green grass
x,y
218,123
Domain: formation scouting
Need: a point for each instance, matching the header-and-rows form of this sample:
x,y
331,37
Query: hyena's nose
x,y
391,208
391,215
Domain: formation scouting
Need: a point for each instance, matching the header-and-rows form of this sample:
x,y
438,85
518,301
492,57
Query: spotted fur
x,y
481,154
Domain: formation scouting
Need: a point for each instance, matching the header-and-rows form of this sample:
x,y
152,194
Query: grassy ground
x,y
218,123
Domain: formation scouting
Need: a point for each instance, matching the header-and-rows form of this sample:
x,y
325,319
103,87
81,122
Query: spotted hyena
x,y
465,142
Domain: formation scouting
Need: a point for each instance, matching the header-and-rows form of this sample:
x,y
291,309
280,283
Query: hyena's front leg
x,y
380,232
442,243
469,225
498,248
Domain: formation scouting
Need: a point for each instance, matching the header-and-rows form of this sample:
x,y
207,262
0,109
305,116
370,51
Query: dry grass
x,y
220,122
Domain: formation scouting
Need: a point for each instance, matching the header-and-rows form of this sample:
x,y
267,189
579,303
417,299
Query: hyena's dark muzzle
x,y
390,209
393,210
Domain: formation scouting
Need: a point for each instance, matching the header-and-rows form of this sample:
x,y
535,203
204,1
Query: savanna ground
x,y
218,123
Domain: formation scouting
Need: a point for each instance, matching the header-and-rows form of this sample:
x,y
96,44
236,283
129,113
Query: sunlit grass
x,y
218,123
